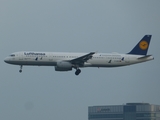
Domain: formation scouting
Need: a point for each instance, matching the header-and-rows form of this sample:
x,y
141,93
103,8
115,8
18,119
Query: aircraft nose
x,y
6,60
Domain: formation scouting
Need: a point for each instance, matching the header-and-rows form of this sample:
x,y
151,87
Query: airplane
x,y
66,61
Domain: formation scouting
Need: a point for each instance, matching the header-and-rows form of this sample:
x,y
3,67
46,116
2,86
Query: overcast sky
x,y
40,93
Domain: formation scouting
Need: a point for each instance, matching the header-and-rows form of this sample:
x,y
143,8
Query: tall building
x,y
130,111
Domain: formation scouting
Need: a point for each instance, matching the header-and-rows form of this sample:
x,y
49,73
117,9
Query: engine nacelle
x,y
63,66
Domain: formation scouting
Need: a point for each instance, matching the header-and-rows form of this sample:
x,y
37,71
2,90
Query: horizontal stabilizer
x,y
144,57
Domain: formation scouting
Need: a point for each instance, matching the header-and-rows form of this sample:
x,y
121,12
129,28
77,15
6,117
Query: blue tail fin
x,y
142,47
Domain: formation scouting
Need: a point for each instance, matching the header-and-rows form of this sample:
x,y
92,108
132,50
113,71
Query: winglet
x,y
142,47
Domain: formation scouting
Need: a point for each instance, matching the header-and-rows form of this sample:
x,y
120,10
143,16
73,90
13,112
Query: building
x,y
130,111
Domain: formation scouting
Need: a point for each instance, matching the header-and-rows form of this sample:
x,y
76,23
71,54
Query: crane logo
x,y
143,45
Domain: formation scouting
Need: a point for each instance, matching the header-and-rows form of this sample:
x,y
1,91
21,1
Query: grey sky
x,y
76,26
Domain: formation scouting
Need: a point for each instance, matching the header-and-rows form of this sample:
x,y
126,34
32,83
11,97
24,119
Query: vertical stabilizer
x,y
142,47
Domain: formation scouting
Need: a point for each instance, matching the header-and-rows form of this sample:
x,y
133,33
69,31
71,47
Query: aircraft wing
x,y
82,59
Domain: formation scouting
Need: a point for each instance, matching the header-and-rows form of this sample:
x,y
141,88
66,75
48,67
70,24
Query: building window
x,y
129,108
105,116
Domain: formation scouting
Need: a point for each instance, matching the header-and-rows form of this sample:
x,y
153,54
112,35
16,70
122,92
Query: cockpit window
x,y
12,55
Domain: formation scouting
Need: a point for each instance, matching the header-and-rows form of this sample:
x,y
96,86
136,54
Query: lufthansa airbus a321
x,y
64,61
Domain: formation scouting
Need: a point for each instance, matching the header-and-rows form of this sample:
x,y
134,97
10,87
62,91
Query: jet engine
x,y
63,66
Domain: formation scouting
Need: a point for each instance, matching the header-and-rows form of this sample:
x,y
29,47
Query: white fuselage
x,y
97,60
65,61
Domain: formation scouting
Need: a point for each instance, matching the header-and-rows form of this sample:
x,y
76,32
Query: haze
x,y
40,93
